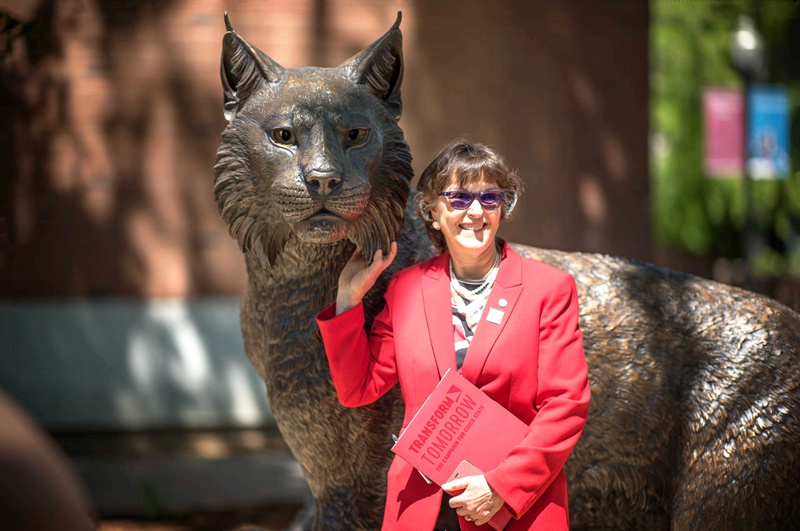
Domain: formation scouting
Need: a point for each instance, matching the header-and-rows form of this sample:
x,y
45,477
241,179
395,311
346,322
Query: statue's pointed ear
x,y
380,68
243,68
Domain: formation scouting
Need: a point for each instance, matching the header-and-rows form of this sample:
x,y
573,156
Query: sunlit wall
x,y
118,281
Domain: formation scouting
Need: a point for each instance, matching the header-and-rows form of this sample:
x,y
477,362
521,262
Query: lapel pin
x,y
495,316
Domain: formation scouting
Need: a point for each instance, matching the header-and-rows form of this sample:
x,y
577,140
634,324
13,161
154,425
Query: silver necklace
x,y
488,279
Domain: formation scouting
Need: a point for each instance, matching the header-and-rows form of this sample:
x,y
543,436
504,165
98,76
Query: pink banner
x,y
723,113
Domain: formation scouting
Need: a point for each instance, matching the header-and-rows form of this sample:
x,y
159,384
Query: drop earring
x,y
435,225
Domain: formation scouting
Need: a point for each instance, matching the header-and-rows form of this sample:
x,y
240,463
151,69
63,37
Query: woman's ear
x,y
508,206
435,211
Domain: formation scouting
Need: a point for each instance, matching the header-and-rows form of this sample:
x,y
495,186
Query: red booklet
x,y
459,422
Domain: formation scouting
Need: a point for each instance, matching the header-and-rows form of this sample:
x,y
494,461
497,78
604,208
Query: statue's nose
x,y
322,183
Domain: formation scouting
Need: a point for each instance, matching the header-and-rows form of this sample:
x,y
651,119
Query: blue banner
x,y
768,133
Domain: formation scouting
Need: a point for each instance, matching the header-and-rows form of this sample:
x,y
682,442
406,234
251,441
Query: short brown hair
x,y
463,162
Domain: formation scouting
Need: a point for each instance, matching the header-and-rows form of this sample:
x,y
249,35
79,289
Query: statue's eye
x,y
357,137
284,137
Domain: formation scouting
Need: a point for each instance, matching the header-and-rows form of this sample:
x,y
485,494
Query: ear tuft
x,y
379,67
243,69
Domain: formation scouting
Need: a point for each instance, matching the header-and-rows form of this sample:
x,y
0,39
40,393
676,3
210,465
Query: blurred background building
x,y
119,284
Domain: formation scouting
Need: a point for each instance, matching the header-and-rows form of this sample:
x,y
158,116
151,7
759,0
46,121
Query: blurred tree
x,y
704,217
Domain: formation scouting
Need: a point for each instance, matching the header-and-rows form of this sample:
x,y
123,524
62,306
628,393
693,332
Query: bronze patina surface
x,y
695,414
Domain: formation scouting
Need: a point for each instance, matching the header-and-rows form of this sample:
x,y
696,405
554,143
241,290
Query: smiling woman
x,y
464,166
525,352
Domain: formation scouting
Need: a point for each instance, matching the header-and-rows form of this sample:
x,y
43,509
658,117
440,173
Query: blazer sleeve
x,y
561,404
362,366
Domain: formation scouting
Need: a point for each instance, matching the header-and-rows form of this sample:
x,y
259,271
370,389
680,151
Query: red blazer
x,y
532,363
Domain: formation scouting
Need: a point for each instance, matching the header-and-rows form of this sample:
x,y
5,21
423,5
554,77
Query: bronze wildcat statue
x,y
695,414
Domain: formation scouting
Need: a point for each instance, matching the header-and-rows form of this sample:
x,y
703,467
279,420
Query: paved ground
x,y
188,481
265,518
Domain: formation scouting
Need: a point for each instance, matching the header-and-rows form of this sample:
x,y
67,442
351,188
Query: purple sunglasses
x,y
489,200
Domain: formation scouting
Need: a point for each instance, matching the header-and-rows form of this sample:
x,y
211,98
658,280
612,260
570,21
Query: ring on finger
x,y
468,518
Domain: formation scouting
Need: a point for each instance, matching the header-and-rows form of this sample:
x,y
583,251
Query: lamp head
x,y
747,49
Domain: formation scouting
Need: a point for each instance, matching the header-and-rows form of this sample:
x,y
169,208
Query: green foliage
x,y
690,50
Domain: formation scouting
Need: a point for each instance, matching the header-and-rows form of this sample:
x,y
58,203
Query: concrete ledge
x,y
129,364
159,487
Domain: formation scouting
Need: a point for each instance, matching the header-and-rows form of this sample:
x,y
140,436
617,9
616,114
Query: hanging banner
x,y
723,117
768,133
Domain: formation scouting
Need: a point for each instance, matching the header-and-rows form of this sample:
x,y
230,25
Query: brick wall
x,y
110,114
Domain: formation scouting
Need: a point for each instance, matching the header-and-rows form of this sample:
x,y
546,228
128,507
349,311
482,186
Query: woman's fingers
x,y
381,262
392,253
358,277
478,500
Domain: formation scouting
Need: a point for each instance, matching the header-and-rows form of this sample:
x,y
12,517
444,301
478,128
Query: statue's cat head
x,y
312,153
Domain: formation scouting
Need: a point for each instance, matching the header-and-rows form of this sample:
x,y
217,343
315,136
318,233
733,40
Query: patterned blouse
x,y
462,332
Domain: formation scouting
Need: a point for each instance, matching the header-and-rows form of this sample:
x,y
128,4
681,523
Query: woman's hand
x,y
357,278
478,500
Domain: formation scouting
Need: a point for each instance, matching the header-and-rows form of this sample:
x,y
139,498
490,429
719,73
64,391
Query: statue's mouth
x,y
321,227
324,220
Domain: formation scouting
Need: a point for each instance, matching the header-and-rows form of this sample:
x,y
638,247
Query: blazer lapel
x,y
502,301
438,314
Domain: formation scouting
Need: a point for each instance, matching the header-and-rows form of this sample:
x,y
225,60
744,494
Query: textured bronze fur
x,y
695,416
294,248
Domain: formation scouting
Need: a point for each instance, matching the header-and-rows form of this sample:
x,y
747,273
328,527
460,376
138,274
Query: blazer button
x,y
502,303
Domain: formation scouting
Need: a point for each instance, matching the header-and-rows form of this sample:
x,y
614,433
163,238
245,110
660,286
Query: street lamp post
x,y
747,54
